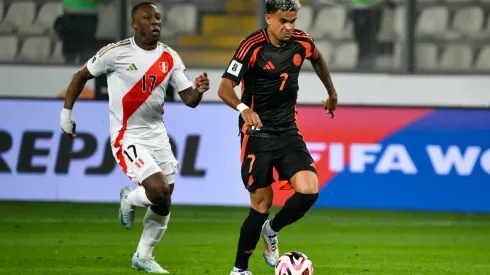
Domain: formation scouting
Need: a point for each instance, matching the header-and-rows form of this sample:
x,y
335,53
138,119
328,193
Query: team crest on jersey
x,y
164,67
297,59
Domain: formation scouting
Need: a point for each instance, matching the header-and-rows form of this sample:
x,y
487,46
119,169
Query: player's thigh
x,y
256,170
137,161
167,162
298,167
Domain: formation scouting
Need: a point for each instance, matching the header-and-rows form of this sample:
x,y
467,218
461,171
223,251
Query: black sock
x,y
294,209
249,236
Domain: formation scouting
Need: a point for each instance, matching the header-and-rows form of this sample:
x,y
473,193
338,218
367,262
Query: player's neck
x,y
274,41
140,43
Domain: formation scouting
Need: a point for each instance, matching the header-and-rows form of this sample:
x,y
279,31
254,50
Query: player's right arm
x,y
101,63
237,68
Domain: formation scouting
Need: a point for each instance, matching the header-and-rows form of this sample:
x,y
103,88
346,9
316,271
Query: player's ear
x,y
268,18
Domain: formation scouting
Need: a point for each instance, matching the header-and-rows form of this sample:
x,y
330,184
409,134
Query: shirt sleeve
x,y
305,39
312,52
103,62
179,79
241,61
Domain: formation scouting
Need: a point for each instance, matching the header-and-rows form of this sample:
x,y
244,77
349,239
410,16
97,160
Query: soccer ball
x,y
294,263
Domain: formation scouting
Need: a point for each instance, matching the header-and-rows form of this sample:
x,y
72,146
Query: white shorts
x,y
139,161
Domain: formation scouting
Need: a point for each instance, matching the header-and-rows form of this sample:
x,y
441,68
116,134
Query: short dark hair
x,y
282,5
137,6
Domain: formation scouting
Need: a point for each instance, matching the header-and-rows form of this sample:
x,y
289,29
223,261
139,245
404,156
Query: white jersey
x,y
137,81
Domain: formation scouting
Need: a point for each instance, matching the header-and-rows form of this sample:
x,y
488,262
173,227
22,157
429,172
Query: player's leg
x,y
298,167
157,216
257,178
138,164
154,192
155,222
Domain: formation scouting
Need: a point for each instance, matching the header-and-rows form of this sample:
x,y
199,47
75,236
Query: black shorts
x,y
287,154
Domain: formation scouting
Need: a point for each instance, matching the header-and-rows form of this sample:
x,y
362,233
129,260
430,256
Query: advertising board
x,y
387,158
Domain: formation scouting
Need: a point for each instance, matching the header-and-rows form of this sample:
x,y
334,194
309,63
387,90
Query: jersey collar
x,y
266,34
140,49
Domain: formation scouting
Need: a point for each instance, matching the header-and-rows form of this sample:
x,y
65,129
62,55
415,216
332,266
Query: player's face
x,y
147,24
281,24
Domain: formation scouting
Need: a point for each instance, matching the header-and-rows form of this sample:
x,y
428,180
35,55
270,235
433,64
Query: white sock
x,y
155,226
268,229
138,197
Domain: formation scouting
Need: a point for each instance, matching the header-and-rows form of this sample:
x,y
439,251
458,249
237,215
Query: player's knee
x,y
162,193
262,206
159,193
261,200
157,188
305,182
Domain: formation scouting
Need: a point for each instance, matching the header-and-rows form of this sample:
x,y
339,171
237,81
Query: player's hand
x,y
67,124
202,83
330,105
252,119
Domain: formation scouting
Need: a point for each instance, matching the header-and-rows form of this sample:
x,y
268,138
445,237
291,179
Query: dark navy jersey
x,y
269,78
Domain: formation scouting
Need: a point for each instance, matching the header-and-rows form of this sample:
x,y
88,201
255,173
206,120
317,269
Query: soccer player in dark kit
x,y
268,63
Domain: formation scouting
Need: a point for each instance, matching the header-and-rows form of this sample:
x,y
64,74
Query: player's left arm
x,y
321,68
191,96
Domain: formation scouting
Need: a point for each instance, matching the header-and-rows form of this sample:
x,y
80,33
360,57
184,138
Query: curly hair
x,y
282,5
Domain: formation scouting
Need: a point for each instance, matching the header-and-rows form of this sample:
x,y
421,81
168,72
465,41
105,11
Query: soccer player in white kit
x,y
139,70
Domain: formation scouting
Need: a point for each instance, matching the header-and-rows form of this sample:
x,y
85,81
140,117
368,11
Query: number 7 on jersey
x,y
285,76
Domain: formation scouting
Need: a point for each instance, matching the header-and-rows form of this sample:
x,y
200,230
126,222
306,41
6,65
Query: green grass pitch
x,y
69,238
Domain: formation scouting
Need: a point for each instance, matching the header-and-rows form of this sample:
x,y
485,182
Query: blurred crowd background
x,y
399,36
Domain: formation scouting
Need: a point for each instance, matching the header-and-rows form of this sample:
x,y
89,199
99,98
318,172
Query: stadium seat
x,y
19,15
45,19
346,56
106,27
35,49
386,29
305,18
425,56
483,62
181,18
9,45
330,21
325,48
468,21
2,7
399,23
384,62
57,56
347,33
452,2
456,57
433,21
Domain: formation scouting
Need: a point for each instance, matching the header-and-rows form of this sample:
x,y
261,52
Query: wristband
x,y
66,113
241,107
